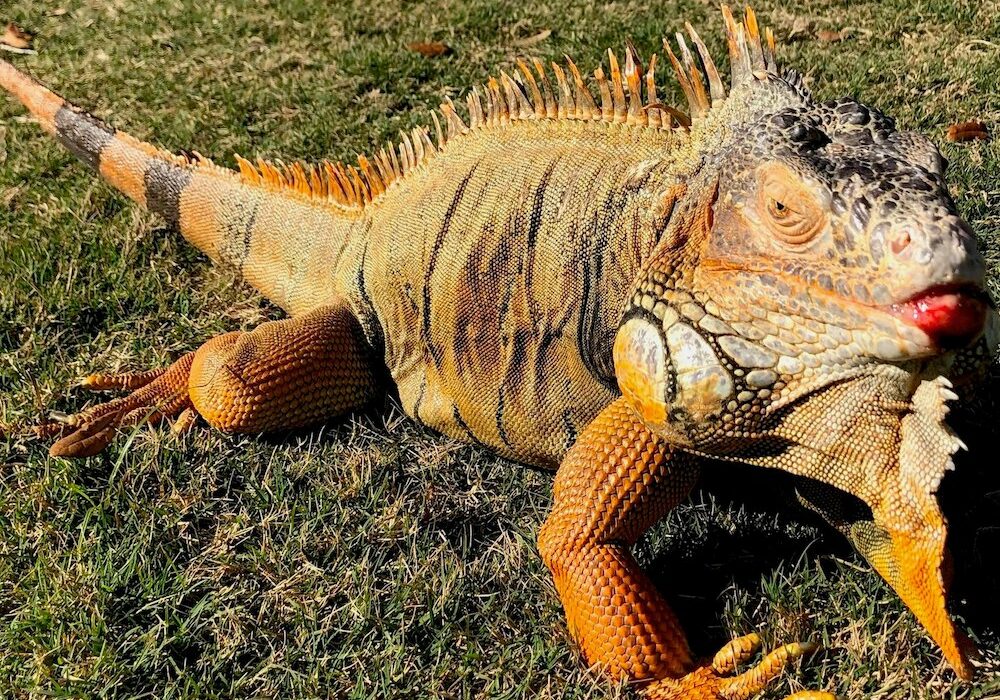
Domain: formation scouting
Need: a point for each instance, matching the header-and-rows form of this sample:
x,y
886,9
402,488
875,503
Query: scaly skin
x,y
619,290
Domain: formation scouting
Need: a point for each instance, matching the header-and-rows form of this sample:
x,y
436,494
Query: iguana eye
x,y
789,209
777,209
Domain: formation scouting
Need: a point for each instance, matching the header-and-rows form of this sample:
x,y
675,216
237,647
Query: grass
x,y
374,558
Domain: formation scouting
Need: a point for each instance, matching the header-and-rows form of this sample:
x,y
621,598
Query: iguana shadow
x,y
747,525
744,523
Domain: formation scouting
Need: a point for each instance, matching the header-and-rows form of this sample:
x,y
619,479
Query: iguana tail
x,y
264,226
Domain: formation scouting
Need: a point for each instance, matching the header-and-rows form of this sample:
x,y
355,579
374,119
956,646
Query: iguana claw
x,y
88,436
714,682
62,418
156,394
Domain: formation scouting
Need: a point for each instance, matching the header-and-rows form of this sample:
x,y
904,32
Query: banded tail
x,y
272,233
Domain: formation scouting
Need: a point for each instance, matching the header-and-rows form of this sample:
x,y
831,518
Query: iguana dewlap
x,y
604,283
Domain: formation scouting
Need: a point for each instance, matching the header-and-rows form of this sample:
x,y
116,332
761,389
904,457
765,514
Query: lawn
x,y
374,558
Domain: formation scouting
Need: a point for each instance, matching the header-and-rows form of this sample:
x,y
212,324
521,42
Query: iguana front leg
x,y
617,481
281,375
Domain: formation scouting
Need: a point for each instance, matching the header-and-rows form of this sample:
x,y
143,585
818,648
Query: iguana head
x,y
814,245
826,212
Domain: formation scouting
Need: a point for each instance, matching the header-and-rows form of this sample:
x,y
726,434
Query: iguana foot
x,y
156,395
282,375
715,681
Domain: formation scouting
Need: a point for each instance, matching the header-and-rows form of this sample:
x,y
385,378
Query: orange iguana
x,y
602,283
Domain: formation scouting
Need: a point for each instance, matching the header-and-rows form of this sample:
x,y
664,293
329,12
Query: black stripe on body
x,y
457,417
432,263
503,308
498,418
549,336
164,183
514,373
420,399
370,320
596,357
247,233
83,135
569,428
535,224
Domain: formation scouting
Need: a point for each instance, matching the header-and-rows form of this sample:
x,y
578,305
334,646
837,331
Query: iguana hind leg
x,y
281,375
617,481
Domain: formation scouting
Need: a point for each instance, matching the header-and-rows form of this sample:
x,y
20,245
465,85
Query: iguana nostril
x,y
900,241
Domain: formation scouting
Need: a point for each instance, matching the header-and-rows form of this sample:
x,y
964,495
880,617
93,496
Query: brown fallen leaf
x,y
16,38
429,49
971,130
533,39
828,36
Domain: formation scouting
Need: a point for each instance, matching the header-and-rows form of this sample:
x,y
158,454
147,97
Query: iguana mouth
x,y
951,315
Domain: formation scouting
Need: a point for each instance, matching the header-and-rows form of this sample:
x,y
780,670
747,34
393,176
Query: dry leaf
x,y
429,49
972,130
828,36
15,38
58,12
533,39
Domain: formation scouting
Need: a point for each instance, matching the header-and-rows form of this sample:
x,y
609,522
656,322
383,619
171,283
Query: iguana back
x,y
490,269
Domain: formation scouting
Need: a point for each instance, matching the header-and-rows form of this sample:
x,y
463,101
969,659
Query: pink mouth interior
x,y
951,317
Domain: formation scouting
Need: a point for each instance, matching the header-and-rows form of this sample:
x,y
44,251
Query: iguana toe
x,y
737,652
125,381
88,438
155,395
751,682
186,421
715,682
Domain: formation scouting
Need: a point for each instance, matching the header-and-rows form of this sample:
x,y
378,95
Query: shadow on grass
x,y
757,527
970,499
698,570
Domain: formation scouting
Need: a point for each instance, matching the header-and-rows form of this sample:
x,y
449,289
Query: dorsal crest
x,y
626,95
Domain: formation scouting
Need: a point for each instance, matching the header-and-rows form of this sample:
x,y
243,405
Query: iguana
x,y
603,283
